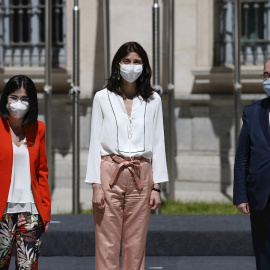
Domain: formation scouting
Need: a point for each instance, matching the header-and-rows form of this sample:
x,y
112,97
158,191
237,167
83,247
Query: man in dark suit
x,y
252,173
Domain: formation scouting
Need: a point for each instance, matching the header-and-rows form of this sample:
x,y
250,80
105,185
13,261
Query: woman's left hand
x,y
21,220
47,223
154,202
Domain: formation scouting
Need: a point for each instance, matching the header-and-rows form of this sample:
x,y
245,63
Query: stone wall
x,y
204,105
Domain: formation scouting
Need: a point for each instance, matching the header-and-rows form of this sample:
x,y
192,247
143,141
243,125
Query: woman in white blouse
x,y
126,161
25,204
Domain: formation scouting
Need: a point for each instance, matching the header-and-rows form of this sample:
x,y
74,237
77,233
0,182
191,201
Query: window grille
x,y
255,32
22,33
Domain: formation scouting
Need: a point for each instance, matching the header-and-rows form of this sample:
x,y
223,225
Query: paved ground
x,y
153,263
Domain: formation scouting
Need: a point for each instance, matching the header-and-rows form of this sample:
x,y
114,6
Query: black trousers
x,y
260,229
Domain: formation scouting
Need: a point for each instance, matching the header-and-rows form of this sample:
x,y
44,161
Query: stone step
x,y
168,235
153,263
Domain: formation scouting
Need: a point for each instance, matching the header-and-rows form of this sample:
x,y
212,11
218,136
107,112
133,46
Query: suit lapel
x,y
264,118
30,134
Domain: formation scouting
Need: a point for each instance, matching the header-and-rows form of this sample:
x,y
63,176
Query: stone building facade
x,y
204,102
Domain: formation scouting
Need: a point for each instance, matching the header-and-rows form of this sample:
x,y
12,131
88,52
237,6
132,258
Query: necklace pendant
x,y
18,138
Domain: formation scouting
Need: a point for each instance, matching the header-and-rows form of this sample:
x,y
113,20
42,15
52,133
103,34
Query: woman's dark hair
x,y
15,83
144,87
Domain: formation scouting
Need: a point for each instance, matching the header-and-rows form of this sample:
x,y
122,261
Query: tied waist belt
x,y
133,165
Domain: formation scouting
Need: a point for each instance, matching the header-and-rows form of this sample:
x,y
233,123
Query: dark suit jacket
x,y
252,160
35,136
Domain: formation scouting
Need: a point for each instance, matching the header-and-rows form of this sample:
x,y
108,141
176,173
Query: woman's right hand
x,y
98,196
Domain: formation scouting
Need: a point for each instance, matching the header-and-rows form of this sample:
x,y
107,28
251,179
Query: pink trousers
x,y
123,224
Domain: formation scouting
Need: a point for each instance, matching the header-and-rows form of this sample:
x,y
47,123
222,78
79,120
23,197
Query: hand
x,y
47,223
21,220
243,208
154,202
98,196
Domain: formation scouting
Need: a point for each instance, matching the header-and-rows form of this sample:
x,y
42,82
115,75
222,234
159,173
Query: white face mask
x,y
17,109
131,72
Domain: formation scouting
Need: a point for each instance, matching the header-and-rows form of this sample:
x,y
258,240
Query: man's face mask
x,y
266,86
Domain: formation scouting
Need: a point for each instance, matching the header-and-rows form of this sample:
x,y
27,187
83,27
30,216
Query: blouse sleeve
x,y
94,157
159,164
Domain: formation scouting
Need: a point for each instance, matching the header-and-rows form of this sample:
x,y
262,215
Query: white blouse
x,y
20,197
114,132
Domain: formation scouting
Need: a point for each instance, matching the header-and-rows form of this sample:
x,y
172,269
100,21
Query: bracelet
x,y
155,189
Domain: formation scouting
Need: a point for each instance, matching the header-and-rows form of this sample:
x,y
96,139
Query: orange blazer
x,y
35,137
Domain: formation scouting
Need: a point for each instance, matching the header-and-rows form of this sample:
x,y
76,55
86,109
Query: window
x,y
22,33
254,36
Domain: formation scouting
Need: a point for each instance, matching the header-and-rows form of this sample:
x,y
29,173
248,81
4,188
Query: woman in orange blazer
x,y
25,202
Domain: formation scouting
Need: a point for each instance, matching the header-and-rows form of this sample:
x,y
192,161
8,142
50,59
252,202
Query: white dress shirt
x,y
20,196
114,132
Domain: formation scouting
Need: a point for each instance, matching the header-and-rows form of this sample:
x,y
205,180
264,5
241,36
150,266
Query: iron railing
x,y
22,33
255,43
